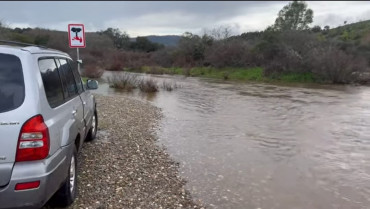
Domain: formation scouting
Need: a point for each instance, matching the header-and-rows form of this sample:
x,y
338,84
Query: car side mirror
x,y
79,61
92,84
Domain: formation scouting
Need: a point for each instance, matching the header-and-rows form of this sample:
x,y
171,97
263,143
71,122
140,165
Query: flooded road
x,y
248,145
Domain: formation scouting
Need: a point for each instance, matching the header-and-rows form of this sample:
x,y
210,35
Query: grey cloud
x,y
97,13
159,17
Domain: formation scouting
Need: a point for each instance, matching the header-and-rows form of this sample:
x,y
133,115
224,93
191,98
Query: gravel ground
x,y
124,167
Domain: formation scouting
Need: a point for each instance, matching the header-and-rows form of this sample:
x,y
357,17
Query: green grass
x,y
237,74
173,70
223,73
298,77
84,79
252,74
156,70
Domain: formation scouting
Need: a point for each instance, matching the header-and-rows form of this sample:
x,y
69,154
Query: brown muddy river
x,y
248,145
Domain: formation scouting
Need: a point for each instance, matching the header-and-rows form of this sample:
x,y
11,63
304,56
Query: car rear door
x,y
86,96
72,94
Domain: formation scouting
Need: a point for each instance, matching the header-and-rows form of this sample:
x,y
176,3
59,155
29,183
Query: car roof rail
x,y
21,44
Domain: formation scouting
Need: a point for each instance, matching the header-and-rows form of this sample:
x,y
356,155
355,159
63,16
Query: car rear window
x,y
11,83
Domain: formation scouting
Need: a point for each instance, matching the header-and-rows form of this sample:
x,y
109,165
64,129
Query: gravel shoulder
x,y
124,167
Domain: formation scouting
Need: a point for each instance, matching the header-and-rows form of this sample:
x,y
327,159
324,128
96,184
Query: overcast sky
x,y
170,18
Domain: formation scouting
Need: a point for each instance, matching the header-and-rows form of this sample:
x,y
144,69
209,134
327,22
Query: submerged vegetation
x,y
128,81
148,85
123,81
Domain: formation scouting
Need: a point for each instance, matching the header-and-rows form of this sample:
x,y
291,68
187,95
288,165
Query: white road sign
x,y
76,36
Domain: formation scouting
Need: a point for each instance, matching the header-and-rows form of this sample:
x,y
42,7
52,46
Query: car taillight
x,y
28,185
33,142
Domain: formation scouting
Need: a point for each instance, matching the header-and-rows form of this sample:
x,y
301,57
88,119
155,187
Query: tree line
x,y
289,46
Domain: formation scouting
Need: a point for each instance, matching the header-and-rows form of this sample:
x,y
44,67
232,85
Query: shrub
x,y
163,57
129,81
22,38
148,85
92,67
42,40
335,65
123,80
115,65
92,71
273,69
187,71
234,53
152,70
169,86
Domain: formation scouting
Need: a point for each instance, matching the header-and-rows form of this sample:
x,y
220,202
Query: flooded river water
x,y
253,145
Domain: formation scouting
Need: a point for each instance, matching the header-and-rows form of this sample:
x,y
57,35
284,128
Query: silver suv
x,y
46,113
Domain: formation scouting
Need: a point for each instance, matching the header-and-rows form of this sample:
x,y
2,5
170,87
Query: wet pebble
x,y
124,167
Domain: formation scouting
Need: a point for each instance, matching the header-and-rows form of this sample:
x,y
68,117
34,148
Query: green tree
x,y
42,40
21,38
316,29
121,40
192,47
294,16
144,44
345,36
207,40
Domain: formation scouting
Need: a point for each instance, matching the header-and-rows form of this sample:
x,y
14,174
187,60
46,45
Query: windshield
x,y
11,83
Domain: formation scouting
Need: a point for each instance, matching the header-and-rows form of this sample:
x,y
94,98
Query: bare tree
x,y
219,33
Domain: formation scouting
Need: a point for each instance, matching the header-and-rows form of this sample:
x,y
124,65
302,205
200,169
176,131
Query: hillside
x,y
354,38
350,32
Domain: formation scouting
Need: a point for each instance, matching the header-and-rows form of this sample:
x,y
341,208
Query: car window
x,y
11,83
69,80
63,79
52,84
77,76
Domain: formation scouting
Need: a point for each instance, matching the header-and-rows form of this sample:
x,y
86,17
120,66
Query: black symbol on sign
x,y
76,38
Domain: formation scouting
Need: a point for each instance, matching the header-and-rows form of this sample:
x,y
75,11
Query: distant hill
x,y
168,40
354,37
351,32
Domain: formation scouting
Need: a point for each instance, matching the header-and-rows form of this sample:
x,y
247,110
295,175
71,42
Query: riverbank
x,y
247,144
124,167
237,74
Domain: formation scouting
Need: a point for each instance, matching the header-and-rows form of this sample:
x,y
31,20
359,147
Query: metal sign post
x,y
78,58
76,37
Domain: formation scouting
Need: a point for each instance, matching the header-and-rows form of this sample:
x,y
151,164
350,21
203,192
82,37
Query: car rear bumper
x,y
51,173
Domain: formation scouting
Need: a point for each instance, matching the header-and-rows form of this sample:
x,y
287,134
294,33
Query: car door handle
x,y
74,112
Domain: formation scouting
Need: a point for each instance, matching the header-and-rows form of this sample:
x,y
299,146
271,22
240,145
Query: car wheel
x,y
67,193
94,128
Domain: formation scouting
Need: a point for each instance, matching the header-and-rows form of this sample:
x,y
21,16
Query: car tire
x,y
67,193
93,129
